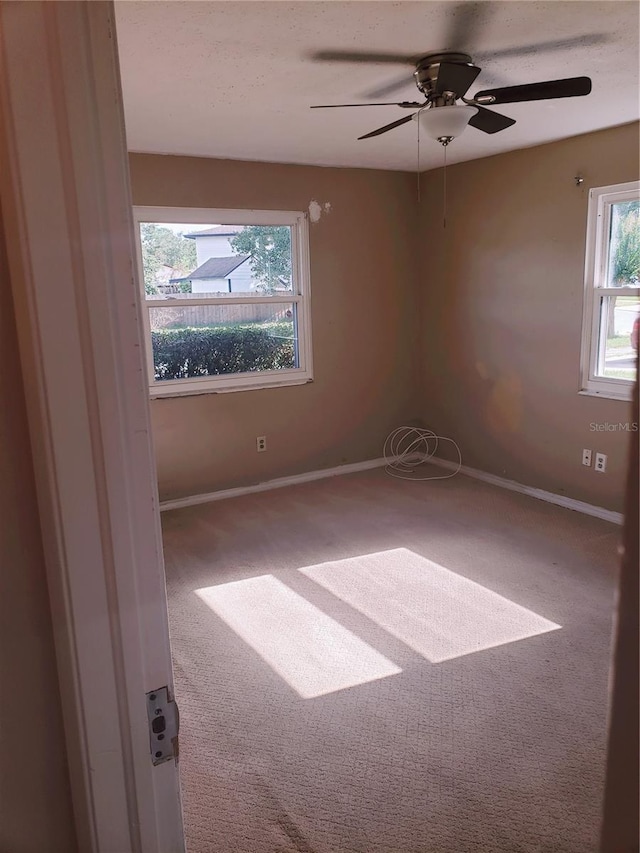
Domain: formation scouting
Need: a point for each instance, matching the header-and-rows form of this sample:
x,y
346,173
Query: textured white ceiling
x,y
236,79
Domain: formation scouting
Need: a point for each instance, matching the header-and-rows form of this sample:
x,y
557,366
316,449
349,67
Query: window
x,y
612,291
226,299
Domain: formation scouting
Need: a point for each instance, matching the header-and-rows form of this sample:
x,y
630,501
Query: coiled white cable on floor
x,y
407,448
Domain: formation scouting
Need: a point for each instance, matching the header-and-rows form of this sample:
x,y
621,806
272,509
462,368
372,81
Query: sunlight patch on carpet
x,y
312,652
436,612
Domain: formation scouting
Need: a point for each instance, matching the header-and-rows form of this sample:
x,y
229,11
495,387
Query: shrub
x,y
212,351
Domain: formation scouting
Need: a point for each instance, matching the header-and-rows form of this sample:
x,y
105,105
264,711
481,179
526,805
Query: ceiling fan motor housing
x,y
426,76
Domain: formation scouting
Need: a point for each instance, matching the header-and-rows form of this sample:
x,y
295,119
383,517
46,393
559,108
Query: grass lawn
x,y
618,342
620,373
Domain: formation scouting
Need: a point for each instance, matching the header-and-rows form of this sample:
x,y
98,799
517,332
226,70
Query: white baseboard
x,y
540,494
493,479
278,483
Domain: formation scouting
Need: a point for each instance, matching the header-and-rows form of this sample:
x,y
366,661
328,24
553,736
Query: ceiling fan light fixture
x,y
445,123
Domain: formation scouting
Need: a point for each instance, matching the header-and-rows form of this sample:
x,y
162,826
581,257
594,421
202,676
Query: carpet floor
x,y
368,665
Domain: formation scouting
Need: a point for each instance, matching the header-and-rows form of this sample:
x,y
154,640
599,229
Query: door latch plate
x,y
164,725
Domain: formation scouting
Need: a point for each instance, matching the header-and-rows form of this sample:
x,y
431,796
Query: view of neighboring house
x,y
220,269
167,279
214,242
222,275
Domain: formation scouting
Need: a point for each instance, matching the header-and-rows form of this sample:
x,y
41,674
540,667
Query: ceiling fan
x,y
444,78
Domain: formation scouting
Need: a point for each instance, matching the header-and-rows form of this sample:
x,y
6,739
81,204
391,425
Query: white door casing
x,y
64,190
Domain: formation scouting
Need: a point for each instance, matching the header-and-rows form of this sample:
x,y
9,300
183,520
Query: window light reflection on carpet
x,y
436,612
312,652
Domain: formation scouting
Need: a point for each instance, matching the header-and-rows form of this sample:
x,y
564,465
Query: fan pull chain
x,y
444,190
418,169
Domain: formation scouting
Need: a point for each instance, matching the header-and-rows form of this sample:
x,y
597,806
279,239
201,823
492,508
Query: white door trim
x,y
64,190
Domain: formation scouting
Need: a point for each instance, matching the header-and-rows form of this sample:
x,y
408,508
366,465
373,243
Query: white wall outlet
x,y
601,462
261,443
586,457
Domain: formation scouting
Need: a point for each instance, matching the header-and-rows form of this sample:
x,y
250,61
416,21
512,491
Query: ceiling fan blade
x,y
391,86
571,87
454,77
363,56
587,40
466,20
490,122
387,127
405,104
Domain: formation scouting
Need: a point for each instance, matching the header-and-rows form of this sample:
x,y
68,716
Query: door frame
x,y
64,186
66,203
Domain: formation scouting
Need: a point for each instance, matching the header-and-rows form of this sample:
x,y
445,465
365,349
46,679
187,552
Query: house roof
x,y
216,268
217,231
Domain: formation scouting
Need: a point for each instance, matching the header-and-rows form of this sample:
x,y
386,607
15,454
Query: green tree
x,y
270,250
624,253
161,246
625,244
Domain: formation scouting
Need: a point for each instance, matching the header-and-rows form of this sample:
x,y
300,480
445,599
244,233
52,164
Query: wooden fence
x,y
207,315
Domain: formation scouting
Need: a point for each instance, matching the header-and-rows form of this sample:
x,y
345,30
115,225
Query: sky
x,y
185,227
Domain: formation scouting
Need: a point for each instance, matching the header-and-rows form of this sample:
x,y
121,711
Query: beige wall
x,y
363,256
500,293
501,322
35,801
502,290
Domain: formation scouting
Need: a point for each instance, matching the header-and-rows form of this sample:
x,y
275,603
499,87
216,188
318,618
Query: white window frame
x,y
601,200
300,297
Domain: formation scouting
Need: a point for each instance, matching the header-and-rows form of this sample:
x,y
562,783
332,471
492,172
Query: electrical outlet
x,y
586,457
601,462
261,443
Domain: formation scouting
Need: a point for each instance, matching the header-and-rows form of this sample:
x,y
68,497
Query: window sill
x,y
622,396
157,393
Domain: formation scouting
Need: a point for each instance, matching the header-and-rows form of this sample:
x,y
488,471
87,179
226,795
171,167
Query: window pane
x,y
618,337
215,260
623,260
214,340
